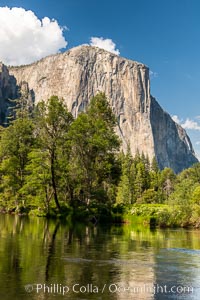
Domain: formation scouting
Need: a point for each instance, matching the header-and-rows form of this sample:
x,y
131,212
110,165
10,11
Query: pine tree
x,y
125,191
94,144
51,155
16,143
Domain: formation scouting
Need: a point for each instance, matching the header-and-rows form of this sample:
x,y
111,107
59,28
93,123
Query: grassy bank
x,y
156,215
163,215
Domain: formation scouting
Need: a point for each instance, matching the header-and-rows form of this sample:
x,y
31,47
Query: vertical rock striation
x,y
172,145
81,72
8,91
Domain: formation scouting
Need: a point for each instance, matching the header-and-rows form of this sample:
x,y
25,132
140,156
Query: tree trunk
x,y
54,181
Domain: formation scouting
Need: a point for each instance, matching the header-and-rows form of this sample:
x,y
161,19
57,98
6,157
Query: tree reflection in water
x,y
37,250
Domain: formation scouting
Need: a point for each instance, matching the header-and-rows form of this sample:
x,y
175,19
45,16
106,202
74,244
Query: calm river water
x,y
41,259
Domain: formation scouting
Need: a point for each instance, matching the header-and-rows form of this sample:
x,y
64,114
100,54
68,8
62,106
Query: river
x,y
48,259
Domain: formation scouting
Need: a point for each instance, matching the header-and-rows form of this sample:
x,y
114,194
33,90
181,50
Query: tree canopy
x,y
51,161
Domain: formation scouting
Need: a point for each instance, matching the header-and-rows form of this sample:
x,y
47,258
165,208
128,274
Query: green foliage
x,y
149,196
184,189
138,182
94,144
52,164
167,215
48,156
195,198
49,159
16,143
125,191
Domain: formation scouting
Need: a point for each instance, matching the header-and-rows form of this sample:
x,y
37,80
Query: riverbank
x,y
163,215
153,215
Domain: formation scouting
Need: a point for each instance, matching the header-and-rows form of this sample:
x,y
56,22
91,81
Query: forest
x,y
54,165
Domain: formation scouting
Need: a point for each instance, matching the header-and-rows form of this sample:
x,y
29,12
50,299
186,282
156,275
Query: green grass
x,y
164,215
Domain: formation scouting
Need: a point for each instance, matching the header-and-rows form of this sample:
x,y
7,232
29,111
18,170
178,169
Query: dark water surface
x,y
41,259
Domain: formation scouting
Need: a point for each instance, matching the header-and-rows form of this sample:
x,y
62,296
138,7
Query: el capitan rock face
x,y
80,73
8,90
173,147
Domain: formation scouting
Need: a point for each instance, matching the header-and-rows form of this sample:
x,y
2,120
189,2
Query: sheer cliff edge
x,y
79,74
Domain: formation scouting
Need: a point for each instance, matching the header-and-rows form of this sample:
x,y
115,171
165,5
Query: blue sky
x,y
164,35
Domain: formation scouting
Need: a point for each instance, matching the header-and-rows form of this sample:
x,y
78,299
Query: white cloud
x,y
190,124
106,44
24,38
187,124
153,74
176,119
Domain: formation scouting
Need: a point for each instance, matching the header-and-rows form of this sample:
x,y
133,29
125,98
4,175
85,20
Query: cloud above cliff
x,y
190,124
176,119
24,38
187,124
106,44
153,74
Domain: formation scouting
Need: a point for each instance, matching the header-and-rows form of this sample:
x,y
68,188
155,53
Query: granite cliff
x,y
79,74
